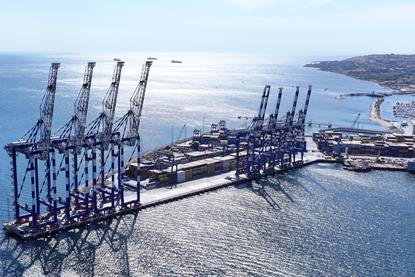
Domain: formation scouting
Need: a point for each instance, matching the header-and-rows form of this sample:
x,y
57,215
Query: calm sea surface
x,y
319,220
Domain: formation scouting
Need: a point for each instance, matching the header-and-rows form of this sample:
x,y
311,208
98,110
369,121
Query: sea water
x,y
317,220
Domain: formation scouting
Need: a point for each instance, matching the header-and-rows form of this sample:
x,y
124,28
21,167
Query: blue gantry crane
x,y
275,143
69,143
90,187
98,138
126,133
35,146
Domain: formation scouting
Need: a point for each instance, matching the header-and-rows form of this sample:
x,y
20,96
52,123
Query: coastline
x,y
394,72
374,116
394,91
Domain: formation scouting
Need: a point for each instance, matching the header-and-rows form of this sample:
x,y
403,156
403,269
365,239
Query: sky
x,y
258,26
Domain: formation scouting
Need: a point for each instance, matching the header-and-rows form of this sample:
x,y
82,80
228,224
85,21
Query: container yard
x,y
348,141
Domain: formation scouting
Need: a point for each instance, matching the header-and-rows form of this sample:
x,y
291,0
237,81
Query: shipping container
x,y
188,174
181,176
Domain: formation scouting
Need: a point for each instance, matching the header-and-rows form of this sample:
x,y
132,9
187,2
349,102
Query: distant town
x,y
396,72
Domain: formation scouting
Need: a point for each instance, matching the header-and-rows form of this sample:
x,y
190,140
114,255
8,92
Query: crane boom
x,y
102,125
307,101
110,99
272,121
297,92
258,121
264,102
82,101
303,113
183,129
277,107
137,99
47,107
355,120
73,132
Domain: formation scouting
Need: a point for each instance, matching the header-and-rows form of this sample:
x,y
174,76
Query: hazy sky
x,y
276,26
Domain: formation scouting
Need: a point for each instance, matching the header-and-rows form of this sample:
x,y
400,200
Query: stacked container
x,y
188,175
210,163
181,176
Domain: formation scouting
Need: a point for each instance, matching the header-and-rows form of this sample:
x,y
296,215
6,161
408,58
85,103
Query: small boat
x,y
176,61
362,168
152,59
357,166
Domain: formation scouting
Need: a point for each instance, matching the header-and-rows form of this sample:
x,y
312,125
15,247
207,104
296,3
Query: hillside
x,y
396,72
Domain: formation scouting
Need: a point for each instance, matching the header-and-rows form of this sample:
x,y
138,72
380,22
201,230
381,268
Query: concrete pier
x,y
158,196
